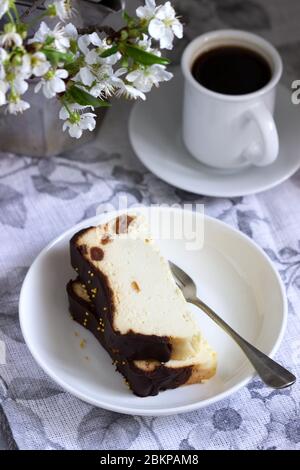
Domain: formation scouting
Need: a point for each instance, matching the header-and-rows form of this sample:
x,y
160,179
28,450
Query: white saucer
x,y
155,134
233,275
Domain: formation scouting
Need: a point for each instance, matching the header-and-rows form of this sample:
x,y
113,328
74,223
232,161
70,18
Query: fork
x,y
271,373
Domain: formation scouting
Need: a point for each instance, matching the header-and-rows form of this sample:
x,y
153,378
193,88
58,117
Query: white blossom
x,y
129,91
3,58
86,76
24,70
107,81
76,120
144,78
52,83
33,64
4,6
20,85
39,64
61,40
164,26
145,43
102,79
71,31
95,39
93,56
17,105
3,89
61,8
10,39
98,74
83,43
86,39
148,11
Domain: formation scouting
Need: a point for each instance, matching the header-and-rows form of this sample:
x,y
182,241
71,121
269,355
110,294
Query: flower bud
x,y
51,10
124,35
9,28
17,60
134,33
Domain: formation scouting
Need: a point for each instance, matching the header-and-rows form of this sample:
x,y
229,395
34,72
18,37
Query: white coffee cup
x,y
230,131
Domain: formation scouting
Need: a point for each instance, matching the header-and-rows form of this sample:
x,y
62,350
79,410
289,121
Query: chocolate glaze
x,y
131,345
142,383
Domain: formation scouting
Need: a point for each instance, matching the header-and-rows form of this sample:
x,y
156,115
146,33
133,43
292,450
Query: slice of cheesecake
x,y
146,377
144,313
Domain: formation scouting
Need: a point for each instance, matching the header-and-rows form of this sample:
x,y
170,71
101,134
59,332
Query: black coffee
x,y
231,70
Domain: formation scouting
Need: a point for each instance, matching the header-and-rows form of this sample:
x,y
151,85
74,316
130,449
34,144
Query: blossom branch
x,y
83,68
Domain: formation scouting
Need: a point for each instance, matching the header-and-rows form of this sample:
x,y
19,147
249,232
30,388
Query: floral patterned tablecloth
x,y
40,198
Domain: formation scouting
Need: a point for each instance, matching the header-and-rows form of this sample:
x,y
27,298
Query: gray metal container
x,y
38,131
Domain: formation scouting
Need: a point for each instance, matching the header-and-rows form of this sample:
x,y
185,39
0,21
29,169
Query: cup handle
x,y
266,151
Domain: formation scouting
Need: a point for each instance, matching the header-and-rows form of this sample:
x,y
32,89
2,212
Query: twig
x,y
34,6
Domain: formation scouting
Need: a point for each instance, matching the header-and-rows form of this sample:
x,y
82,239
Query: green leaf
x,y
55,56
112,50
85,99
143,57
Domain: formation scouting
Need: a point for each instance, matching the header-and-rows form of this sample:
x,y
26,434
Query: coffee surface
x,y
231,70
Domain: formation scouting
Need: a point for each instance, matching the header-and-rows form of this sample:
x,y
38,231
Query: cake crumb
x,y
82,343
126,383
76,333
135,286
106,239
86,358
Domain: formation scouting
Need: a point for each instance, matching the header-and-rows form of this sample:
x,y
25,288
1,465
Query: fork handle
x,y
271,373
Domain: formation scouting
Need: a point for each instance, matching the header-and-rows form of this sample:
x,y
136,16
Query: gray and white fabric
x,y
40,198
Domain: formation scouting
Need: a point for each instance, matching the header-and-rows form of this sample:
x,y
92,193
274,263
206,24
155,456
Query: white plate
x,y
155,134
233,275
